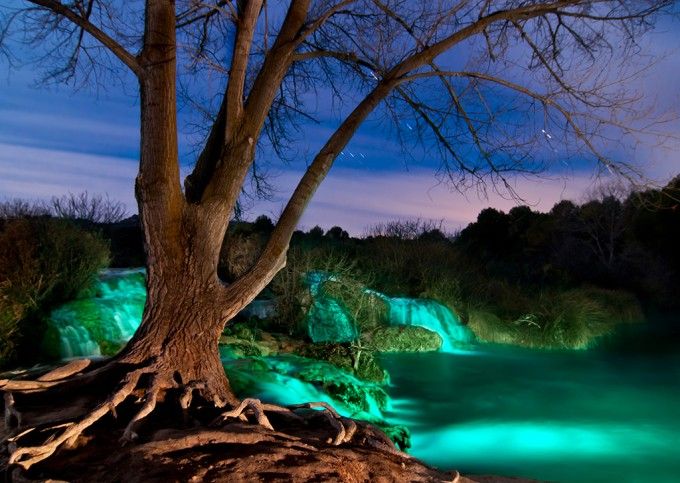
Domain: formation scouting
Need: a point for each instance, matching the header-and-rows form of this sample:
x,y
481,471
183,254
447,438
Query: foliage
x,y
403,339
571,319
347,287
43,261
349,358
80,207
86,207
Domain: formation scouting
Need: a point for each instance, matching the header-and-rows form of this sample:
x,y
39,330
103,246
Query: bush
x,y
403,339
571,319
43,262
293,298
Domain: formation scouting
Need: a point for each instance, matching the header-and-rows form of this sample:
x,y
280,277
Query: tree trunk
x,y
186,310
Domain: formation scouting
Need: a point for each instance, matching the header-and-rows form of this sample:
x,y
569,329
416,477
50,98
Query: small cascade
x,y
433,316
75,341
102,323
328,320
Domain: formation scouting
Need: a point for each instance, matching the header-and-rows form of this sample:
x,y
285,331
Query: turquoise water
x,y
609,414
605,415
103,322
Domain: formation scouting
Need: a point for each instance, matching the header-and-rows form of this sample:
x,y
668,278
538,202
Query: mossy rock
x,y
404,339
237,348
353,393
244,331
344,357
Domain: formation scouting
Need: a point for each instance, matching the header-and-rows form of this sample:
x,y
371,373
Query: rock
x,y
404,339
345,357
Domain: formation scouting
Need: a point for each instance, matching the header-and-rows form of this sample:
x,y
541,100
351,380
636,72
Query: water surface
x,y
608,414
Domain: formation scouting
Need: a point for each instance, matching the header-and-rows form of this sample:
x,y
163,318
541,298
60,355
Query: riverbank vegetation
x,y
548,280
46,259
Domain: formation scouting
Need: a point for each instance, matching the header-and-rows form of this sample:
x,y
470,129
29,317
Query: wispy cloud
x,y
30,172
353,199
356,199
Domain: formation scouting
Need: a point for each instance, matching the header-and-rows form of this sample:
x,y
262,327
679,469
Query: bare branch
x,y
126,57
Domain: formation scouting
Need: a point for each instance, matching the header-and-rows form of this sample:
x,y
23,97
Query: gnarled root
x,y
12,416
61,373
344,427
62,426
28,456
344,433
254,405
149,405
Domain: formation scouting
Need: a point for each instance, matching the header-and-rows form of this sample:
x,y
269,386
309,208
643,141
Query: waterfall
x,y
103,322
328,319
431,315
75,341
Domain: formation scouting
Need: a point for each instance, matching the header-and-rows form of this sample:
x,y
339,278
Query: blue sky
x,y
56,139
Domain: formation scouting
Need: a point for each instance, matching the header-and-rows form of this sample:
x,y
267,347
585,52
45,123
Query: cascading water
x,y
329,321
103,323
431,315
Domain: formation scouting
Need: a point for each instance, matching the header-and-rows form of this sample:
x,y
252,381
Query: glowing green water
x,y
602,415
102,323
608,415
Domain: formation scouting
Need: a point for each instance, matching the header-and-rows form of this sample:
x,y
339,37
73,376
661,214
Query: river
x,y
609,414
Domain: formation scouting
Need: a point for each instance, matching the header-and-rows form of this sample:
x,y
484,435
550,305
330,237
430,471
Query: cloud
x,y
351,198
356,199
29,172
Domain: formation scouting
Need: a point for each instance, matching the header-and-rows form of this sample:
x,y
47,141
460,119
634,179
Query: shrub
x,y
571,319
43,261
346,286
403,339
86,207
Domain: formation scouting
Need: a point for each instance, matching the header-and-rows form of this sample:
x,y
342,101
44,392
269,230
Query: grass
x,y
572,319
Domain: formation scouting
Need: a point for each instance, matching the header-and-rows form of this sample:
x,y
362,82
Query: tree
x,y
392,56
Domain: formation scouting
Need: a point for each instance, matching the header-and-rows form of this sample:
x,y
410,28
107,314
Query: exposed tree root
x,y
68,370
25,386
345,428
45,433
344,434
255,405
28,456
188,393
149,405
12,416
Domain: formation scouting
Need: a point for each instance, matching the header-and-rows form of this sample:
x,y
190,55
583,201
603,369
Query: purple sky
x,y
55,140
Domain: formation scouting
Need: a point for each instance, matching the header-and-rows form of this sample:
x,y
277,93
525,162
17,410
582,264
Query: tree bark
x,y
187,306
178,339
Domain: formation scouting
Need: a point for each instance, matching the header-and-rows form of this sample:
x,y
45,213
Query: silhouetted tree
x,y
337,233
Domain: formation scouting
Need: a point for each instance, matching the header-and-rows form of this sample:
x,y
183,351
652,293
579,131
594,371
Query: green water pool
x,y
605,415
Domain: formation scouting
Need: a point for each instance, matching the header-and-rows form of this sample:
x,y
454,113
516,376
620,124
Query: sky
x,y
55,139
